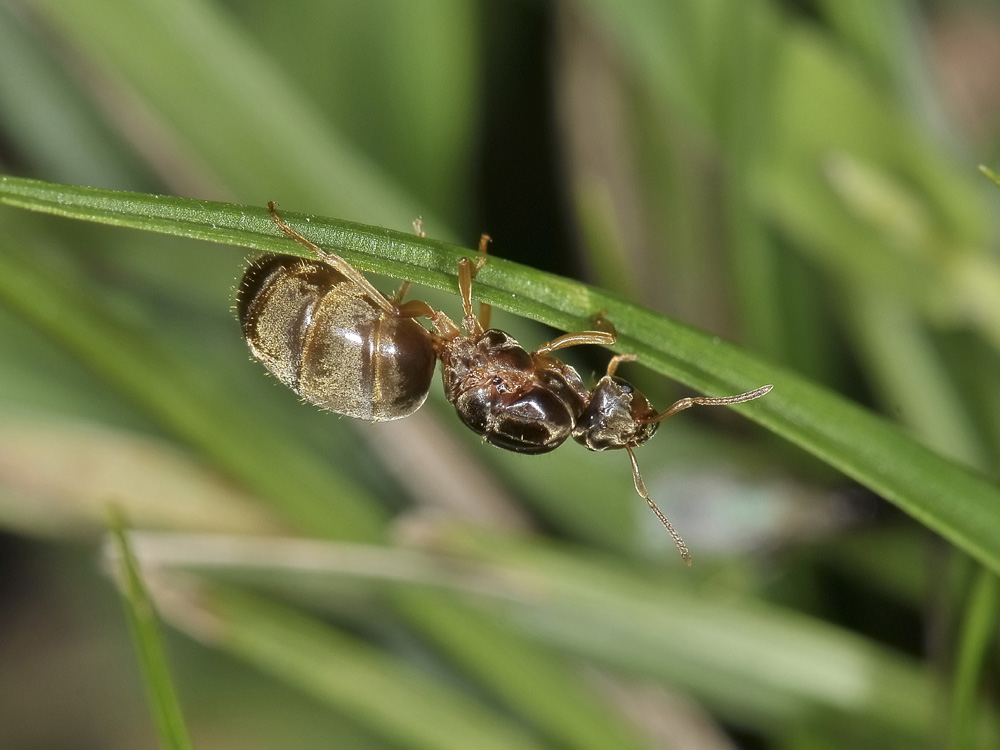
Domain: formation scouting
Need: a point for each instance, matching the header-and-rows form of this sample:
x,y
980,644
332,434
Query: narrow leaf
x,y
953,501
142,624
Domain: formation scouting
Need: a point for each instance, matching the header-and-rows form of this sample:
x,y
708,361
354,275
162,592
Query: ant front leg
x,y
600,338
601,323
605,335
617,360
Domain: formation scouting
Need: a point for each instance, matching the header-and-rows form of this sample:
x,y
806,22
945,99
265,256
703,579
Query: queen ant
x,y
325,332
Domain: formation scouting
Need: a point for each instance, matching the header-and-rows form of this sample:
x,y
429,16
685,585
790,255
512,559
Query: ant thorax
x,y
523,402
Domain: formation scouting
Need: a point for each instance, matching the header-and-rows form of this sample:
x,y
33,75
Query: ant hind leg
x,y
335,261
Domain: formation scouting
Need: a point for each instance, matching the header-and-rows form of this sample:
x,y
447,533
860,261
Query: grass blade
x,y
951,500
978,634
140,613
391,698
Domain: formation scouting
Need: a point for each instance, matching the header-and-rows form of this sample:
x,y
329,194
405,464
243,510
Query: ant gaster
x,y
324,331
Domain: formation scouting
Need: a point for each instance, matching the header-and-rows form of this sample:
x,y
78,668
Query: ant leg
x,y
472,324
601,322
415,308
640,487
342,266
397,298
466,273
686,403
605,336
443,325
600,338
617,360
484,308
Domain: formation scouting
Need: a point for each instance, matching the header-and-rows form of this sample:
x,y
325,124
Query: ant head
x,y
617,416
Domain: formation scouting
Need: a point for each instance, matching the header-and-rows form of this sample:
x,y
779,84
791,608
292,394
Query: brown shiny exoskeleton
x,y
520,401
324,331
619,416
330,336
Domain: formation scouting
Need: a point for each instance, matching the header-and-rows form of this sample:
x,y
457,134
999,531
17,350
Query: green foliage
x,y
788,182
141,617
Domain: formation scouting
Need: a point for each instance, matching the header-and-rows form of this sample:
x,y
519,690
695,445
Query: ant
x,y
324,331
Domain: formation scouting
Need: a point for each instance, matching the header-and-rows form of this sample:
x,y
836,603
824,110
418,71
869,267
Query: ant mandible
x,y
325,332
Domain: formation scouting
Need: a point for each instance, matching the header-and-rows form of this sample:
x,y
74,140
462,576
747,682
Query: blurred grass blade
x,y
532,680
142,624
979,630
757,663
953,501
206,85
357,679
990,174
62,473
56,128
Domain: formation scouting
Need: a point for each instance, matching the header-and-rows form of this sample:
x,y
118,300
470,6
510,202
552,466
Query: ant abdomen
x,y
332,342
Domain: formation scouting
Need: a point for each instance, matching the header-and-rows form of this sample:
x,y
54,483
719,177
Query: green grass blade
x,y
532,680
754,662
342,671
955,502
758,663
993,176
207,84
978,635
142,624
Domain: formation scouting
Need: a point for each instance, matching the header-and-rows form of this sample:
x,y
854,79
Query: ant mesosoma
x,y
325,332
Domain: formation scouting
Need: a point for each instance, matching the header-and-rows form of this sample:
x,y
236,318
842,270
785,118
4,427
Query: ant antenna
x,y
684,403
687,403
640,487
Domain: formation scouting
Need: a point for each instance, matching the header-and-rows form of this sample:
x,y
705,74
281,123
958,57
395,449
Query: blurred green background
x,y
798,177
